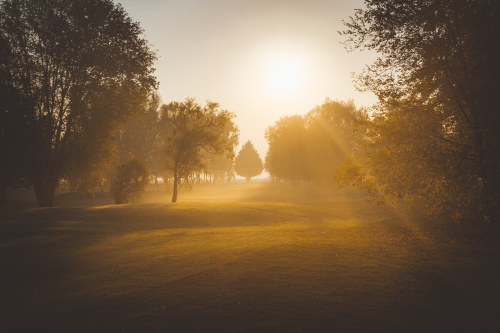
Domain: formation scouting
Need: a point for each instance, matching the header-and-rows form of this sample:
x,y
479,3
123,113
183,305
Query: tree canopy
x,y
141,137
310,148
129,181
288,145
435,135
192,132
248,163
79,69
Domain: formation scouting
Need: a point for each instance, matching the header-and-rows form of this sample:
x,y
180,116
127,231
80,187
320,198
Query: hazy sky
x,y
259,59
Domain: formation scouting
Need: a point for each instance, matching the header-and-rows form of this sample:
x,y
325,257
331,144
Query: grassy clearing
x,y
243,257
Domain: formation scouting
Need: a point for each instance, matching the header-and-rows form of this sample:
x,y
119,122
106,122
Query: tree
x,y
248,163
83,68
436,80
332,130
218,168
288,146
192,131
140,137
395,160
310,148
13,140
129,182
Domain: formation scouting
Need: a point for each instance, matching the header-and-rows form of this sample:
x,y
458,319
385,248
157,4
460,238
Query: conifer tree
x,y
248,163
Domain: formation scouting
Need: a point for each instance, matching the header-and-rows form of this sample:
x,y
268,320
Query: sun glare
x,y
284,77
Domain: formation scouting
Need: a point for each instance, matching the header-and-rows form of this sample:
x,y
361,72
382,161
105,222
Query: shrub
x,y
130,182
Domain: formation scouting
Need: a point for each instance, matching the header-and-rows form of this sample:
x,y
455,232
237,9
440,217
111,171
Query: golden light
x,y
284,77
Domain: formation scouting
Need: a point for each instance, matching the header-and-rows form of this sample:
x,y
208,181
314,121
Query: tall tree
x,y
84,67
332,131
140,137
192,131
310,148
437,77
219,167
248,163
13,140
288,142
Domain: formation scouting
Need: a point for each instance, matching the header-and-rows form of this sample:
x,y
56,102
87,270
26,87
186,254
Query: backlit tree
x,y
311,148
248,163
82,68
190,132
435,135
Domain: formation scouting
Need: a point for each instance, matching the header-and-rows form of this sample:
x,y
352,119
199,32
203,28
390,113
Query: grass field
x,y
254,257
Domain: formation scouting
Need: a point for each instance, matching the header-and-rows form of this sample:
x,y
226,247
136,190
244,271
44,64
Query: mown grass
x,y
241,258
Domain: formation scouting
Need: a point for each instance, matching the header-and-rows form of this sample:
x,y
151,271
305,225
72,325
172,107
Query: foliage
x,y
310,148
130,181
83,68
13,140
288,145
218,167
137,138
435,136
334,134
248,163
140,138
191,132
86,178
140,135
396,160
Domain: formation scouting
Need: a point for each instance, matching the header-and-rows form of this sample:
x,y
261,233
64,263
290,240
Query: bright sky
x,y
260,59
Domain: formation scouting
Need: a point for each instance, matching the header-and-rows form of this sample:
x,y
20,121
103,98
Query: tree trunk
x,y
174,194
45,189
166,181
248,179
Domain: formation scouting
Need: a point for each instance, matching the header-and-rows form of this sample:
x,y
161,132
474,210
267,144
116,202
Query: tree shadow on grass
x,y
372,272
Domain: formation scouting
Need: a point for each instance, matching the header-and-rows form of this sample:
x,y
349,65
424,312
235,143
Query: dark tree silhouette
x,y
435,134
13,139
129,181
140,138
192,131
83,68
248,163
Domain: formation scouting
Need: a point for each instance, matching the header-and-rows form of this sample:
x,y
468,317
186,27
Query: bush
x,y
130,182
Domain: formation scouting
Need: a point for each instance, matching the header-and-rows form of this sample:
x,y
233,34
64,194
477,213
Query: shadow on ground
x,y
245,258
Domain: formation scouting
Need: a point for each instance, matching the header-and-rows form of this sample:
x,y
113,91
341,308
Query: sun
x,y
284,76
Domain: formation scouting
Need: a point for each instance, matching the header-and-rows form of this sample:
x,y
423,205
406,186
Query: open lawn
x,y
255,257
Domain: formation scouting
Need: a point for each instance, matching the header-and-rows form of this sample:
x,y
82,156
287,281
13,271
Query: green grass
x,y
241,257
